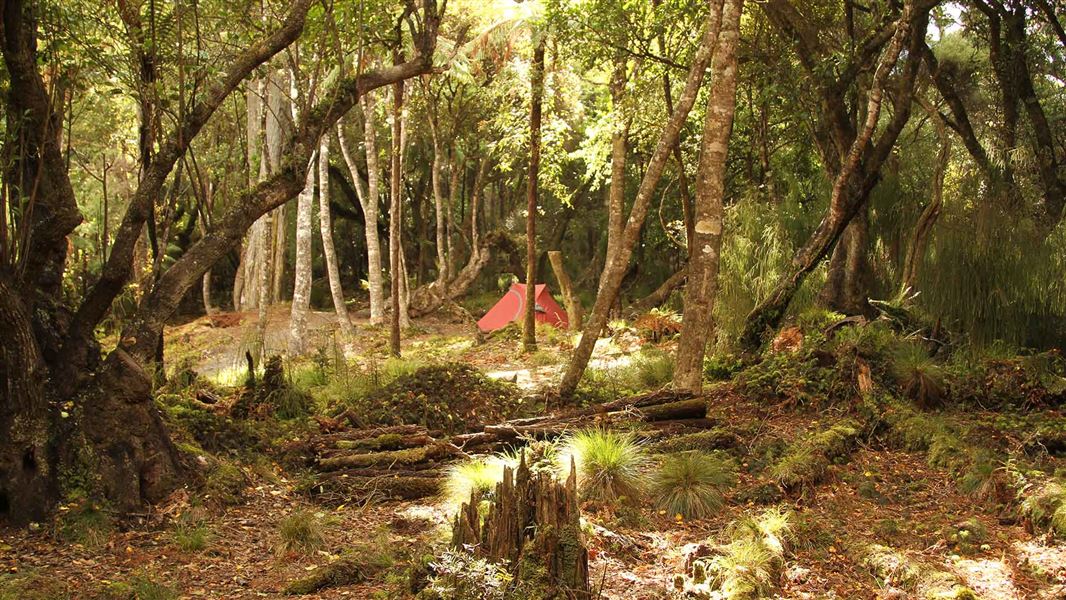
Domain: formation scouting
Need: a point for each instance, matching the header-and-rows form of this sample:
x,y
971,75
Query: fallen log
x,y
393,487
696,408
407,456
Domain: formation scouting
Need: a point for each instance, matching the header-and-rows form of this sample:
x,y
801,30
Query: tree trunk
x,y
529,320
611,278
395,220
847,287
920,238
438,204
701,288
325,223
617,189
301,291
566,288
368,201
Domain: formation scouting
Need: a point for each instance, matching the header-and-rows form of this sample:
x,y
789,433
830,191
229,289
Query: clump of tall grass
x,y
611,465
301,532
474,478
691,484
749,564
918,375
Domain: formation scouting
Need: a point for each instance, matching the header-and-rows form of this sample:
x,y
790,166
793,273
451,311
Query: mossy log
x,y
404,486
346,570
718,438
694,408
534,525
406,456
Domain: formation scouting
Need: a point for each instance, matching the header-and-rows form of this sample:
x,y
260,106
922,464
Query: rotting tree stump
x,y
533,524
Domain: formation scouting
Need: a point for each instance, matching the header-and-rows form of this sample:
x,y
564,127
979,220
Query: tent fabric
x,y
513,303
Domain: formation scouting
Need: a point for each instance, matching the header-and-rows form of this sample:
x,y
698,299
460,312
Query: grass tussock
x,y
748,566
807,461
919,377
692,484
611,465
473,478
1044,506
893,568
301,532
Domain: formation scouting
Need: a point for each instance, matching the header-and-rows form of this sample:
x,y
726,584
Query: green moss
x,y
719,438
225,484
749,565
33,585
807,461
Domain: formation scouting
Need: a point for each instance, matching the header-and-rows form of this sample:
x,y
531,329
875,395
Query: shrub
x,y
1045,507
610,465
690,484
225,484
301,532
458,575
653,369
357,564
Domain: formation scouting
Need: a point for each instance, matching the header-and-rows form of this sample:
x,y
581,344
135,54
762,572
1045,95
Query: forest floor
x,y
881,495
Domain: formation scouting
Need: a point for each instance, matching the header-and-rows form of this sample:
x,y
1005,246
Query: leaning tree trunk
x,y
613,273
532,525
920,237
566,288
325,224
851,188
529,317
701,287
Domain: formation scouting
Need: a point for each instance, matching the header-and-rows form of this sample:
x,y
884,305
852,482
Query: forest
x,y
799,299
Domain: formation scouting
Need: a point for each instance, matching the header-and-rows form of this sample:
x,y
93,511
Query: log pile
x,y
406,461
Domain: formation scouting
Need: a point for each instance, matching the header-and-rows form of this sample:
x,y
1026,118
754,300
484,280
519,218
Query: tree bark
x,y
529,317
566,288
325,223
701,288
301,291
396,271
617,188
920,237
611,278
368,201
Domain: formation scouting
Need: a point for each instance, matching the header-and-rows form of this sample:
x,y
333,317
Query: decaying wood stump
x,y
533,524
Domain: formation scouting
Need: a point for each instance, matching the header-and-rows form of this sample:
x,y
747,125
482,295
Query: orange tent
x,y
513,303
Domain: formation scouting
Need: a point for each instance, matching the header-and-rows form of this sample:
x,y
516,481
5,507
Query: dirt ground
x,y
881,496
